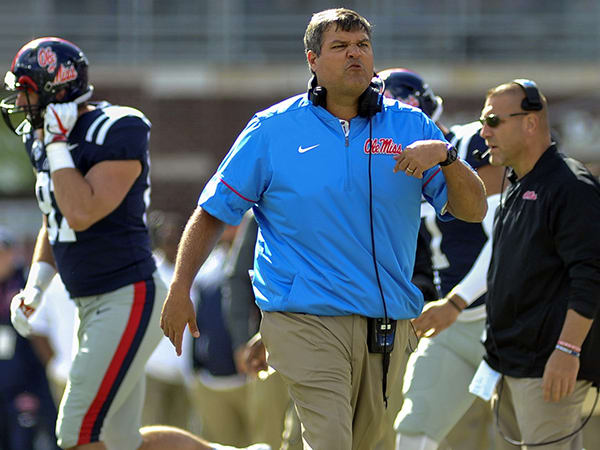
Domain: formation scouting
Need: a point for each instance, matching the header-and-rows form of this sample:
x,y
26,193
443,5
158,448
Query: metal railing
x,y
270,31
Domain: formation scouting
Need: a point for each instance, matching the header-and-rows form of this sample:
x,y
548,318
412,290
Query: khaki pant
x,y
591,432
522,400
242,415
336,384
167,404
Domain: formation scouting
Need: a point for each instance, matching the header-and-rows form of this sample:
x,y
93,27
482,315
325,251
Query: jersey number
x,y
58,227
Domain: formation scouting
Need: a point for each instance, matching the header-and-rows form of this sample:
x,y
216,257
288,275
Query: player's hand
x,y
59,120
560,375
255,355
420,156
435,318
177,312
22,307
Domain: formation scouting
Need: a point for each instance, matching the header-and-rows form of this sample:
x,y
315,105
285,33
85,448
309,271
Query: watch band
x,y
452,155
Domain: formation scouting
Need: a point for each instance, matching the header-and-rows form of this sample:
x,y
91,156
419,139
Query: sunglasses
x,y
493,120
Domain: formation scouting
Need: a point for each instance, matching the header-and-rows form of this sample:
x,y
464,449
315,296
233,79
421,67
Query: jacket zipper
x,y
346,129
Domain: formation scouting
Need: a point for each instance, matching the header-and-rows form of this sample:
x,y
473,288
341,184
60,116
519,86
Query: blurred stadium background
x,y
200,68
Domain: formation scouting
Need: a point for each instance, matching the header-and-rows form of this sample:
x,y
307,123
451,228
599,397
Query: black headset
x,y
532,100
369,102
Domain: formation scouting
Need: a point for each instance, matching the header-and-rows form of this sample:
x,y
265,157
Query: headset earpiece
x,y
532,100
316,94
369,102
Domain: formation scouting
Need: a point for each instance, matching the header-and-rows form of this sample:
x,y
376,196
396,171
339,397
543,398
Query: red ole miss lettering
x,y
384,146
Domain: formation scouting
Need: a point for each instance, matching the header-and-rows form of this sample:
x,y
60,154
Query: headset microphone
x,y
479,156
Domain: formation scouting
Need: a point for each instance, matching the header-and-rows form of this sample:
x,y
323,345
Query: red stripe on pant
x,y
139,298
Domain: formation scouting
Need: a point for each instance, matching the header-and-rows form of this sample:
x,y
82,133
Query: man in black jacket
x,y
544,276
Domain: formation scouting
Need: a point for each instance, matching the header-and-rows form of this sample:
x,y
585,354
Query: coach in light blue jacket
x,y
335,177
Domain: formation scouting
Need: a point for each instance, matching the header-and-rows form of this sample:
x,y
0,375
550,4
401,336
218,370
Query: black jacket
x,y
545,260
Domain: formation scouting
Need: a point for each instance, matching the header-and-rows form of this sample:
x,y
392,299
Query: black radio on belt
x,y
380,335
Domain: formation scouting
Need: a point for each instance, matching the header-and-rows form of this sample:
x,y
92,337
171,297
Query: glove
x,y
22,307
59,120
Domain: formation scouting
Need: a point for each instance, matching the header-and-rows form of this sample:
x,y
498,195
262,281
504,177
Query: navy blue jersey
x,y
455,245
115,251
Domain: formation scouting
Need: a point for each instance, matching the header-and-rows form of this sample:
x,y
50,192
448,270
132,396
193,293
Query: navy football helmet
x,y
50,67
408,87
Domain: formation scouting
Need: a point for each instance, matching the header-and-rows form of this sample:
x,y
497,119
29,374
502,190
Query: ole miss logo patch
x,y
382,146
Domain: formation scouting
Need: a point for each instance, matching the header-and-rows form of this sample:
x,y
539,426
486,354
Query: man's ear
x,y
311,58
532,123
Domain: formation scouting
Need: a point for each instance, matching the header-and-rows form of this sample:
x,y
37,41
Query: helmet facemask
x,y
17,117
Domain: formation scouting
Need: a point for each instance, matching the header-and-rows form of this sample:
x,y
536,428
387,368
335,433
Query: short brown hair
x,y
344,19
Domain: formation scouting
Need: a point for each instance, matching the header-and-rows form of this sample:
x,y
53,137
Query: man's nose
x,y
354,50
484,131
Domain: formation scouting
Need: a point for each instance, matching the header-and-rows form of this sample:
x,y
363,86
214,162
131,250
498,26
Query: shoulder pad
x,y
466,130
99,128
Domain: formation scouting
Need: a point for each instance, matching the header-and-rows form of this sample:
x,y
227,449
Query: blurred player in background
x,y
167,398
27,411
440,370
92,166
267,394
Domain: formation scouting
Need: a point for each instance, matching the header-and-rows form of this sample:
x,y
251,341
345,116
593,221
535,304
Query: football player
x,y
92,166
439,372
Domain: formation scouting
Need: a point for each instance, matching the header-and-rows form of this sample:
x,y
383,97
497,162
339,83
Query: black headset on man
x,y
369,102
532,100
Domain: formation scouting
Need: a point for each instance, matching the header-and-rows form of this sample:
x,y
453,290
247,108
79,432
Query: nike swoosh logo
x,y
302,150
72,146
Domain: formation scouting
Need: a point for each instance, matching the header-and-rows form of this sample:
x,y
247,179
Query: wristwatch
x,y
452,155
